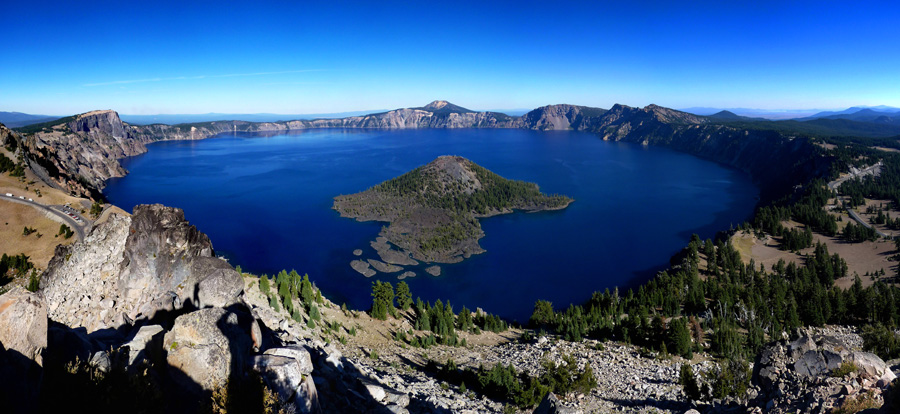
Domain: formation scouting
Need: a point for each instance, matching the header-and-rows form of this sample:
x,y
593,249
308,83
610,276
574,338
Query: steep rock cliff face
x,y
7,137
80,155
23,339
558,117
775,161
129,269
438,114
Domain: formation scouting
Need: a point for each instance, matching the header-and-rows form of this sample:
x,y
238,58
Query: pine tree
x,y
306,291
382,300
680,338
404,296
542,315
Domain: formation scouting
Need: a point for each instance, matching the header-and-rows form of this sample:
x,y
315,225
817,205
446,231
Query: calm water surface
x,y
266,204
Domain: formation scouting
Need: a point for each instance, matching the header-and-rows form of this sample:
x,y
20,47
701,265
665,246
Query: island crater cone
x,y
433,210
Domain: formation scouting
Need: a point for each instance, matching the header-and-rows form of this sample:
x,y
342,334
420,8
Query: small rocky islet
x,y
433,212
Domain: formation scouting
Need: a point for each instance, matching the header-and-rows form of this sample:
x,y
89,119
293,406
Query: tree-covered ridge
x,y
487,193
45,126
433,210
710,300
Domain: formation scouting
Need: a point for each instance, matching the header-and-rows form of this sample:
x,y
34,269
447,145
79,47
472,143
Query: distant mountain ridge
x,y
18,119
856,113
80,153
867,115
785,114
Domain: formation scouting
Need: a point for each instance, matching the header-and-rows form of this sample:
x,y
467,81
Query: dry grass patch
x,y
862,258
15,217
36,189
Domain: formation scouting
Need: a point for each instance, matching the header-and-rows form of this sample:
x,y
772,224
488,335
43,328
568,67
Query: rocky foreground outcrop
x,y
23,338
145,295
817,372
23,324
132,268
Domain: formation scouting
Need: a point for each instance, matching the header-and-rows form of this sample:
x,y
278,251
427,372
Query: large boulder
x,y
220,285
817,362
23,337
139,268
206,347
23,323
870,366
287,371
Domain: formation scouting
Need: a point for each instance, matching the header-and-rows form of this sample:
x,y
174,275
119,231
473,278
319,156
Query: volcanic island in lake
x,y
433,213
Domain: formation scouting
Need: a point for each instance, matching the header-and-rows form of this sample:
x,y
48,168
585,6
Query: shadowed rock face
x,y
208,345
131,268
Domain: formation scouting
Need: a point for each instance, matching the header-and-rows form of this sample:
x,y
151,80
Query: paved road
x,y
863,222
833,186
873,170
79,228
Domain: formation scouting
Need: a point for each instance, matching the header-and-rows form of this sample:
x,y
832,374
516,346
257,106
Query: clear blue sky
x,y
328,56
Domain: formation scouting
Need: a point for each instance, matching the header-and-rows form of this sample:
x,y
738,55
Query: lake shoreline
x,y
296,177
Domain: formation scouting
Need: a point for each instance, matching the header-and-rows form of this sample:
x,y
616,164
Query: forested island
x,y
433,210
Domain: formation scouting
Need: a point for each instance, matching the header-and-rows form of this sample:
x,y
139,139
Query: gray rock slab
x,y
384,267
362,267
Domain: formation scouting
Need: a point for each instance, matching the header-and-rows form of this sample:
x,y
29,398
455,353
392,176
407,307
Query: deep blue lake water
x,y
266,204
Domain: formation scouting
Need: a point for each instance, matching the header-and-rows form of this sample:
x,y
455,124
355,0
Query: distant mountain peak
x,y
443,107
726,115
435,105
669,115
